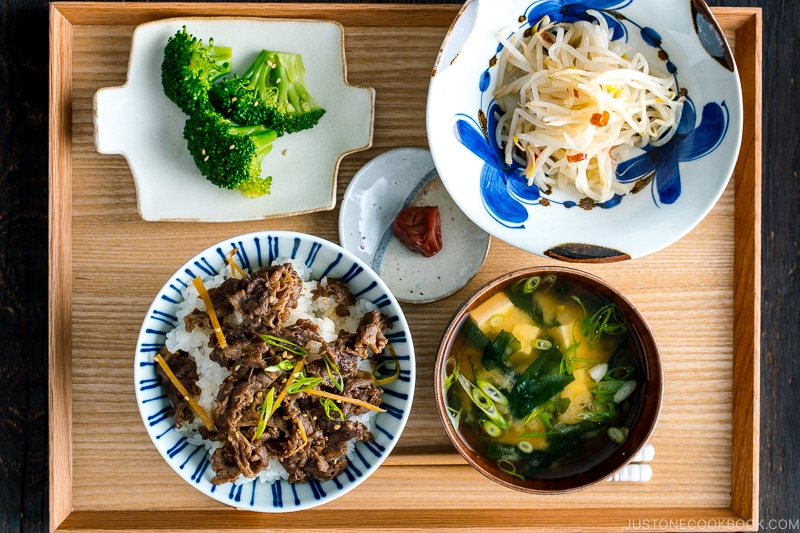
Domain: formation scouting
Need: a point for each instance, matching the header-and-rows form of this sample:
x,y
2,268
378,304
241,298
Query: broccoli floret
x,y
247,99
229,156
255,187
296,109
190,68
271,92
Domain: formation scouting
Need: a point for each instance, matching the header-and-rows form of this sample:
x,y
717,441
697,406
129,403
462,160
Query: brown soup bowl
x,y
511,367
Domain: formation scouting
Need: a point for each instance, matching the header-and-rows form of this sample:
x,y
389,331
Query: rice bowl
x,y
186,445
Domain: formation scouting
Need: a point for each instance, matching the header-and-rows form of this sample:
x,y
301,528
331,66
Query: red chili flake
x,y
600,120
419,228
576,157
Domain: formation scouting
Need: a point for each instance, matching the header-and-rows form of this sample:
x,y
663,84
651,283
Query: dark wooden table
x,y
24,266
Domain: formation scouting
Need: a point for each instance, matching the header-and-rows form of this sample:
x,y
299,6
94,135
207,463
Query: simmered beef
x,y
306,432
185,369
268,297
245,347
340,292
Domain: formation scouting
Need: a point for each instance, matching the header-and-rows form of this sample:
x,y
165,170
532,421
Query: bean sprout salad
x,y
574,102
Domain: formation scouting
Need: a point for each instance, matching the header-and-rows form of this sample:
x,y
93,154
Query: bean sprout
x,y
574,103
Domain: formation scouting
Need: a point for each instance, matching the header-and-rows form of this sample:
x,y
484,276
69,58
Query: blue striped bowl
x,y
191,462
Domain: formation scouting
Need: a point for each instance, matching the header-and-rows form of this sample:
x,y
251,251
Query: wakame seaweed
x,y
499,350
474,334
541,381
529,305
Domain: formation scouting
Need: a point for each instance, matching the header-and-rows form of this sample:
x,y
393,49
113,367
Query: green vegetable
x,y
229,156
474,334
189,69
541,344
286,364
618,435
330,408
521,295
302,383
284,344
492,391
333,372
525,446
612,389
483,402
491,428
503,346
265,409
608,319
541,381
512,460
271,92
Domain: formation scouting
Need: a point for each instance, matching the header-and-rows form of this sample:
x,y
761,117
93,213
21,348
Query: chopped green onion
x,y
266,411
537,434
608,319
481,399
331,407
455,416
525,446
598,372
496,320
609,386
541,344
483,402
491,428
303,383
451,378
492,392
618,435
333,372
284,344
535,413
286,364
531,284
624,391
567,365
511,470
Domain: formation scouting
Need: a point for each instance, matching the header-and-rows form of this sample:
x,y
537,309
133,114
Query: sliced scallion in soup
x,y
542,378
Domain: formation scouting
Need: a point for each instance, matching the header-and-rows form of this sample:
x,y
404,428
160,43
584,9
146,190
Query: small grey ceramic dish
x,y
378,192
139,122
189,459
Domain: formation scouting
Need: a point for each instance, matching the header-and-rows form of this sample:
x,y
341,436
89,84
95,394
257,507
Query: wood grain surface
x,y
99,383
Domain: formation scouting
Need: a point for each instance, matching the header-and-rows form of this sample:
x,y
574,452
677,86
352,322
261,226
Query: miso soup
x,y
544,378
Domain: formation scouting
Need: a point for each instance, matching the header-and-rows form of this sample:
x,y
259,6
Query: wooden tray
x,y
701,296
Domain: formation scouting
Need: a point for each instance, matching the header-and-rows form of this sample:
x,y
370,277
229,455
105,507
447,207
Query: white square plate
x,y
138,121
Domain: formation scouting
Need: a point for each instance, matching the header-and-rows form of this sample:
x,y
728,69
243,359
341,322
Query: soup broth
x,y
543,378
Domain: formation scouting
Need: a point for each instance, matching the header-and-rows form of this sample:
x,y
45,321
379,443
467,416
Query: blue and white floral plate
x,y
192,462
674,185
